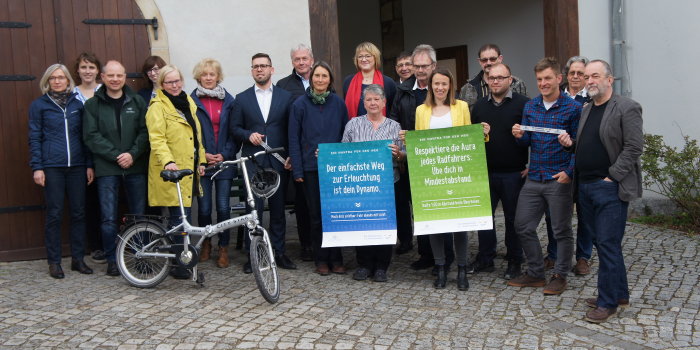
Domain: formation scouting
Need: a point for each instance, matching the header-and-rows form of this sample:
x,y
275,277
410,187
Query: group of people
x,y
574,143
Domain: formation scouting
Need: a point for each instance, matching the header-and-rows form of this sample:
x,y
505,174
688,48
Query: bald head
x,y
114,77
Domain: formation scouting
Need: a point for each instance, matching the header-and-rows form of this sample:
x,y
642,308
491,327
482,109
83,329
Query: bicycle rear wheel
x,y
142,272
264,268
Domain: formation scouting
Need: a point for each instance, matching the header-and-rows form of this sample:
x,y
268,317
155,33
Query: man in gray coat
x,y
608,175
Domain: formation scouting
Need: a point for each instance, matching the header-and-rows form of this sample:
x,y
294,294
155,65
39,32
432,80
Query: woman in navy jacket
x,y
214,105
318,117
61,164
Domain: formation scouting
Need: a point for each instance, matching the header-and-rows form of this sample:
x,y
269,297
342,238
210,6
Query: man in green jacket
x,y
114,128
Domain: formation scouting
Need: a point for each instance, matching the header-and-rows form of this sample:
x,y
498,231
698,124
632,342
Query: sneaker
x,y
480,266
548,264
621,303
556,285
98,257
600,314
526,280
360,274
582,267
514,270
380,276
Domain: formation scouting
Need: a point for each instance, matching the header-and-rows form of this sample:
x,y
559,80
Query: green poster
x,y
449,180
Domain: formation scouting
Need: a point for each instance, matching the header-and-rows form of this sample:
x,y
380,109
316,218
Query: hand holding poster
x,y
357,193
449,180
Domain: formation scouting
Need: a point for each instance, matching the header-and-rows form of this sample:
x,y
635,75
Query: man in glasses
x,y
477,88
404,66
260,115
575,86
506,160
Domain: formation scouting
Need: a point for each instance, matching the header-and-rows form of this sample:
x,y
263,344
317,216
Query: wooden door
x,y
35,34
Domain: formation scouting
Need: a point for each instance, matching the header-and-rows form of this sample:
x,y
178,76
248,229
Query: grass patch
x,y
681,222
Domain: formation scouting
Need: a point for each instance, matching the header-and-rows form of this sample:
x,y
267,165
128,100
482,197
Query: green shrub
x,y
673,173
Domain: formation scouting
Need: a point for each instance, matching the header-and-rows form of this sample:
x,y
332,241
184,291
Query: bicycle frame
x,y
249,220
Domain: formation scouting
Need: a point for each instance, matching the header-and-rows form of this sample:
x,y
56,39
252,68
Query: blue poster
x,y
357,193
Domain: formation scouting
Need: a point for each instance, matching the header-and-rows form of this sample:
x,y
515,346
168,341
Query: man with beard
x,y
477,88
506,161
261,114
611,141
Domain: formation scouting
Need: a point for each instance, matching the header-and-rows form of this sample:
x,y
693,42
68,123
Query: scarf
x,y
217,92
355,92
182,104
317,99
60,97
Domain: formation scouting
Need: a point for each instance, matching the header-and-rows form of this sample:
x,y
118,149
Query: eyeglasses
x,y
58,78
401,65
422,66
364,57
498,79
172,82
488,59
260,66
153,70
573,74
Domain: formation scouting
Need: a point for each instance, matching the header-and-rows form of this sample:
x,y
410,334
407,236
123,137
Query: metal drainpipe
x,y
618,46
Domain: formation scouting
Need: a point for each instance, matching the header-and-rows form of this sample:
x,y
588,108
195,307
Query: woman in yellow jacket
x,y
441,110
176,143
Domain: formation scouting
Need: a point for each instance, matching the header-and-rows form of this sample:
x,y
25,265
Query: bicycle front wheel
x,y
142,272
264,268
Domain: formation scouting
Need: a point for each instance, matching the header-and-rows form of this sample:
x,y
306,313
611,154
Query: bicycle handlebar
x,y
220,166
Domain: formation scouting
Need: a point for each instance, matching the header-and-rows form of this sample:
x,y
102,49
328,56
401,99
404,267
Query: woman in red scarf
x,y
368,60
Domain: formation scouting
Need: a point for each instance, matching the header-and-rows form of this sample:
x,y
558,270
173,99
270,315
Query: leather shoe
x,y
513,270
600,314
79,265
323,270
434,272
582,267
480,266
360,274
112,269
284,262
56,271
306,254
621,303
339,269
556,285
548,264
422,263
380,276
526,280
404,248
247,268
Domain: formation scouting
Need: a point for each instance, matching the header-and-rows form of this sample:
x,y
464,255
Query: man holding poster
x,y
548,183
449,180
374,252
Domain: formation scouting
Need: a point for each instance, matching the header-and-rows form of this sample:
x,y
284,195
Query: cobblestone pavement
x,y
336,312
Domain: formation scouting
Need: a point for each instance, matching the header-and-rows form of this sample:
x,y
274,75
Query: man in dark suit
x,y
261,114
608,175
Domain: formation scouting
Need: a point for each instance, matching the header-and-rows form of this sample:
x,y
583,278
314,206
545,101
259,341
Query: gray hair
x,y
301,47
425,49
573,60
44,81
608,69
374,89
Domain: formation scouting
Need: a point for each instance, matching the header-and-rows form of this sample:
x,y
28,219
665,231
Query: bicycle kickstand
x,y
198,277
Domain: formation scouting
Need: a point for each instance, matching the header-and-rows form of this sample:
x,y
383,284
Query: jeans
x,y
535,198
59,181
312,190
605,214
108,193
505,187
584,239
222,193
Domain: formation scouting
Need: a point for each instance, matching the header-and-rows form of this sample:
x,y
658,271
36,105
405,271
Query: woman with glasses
x,y
176,143
368,60
214,105
442,110
374,260
318,117
61,164
150,70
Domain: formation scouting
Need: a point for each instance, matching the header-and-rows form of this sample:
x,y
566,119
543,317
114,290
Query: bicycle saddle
x,y
175,175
